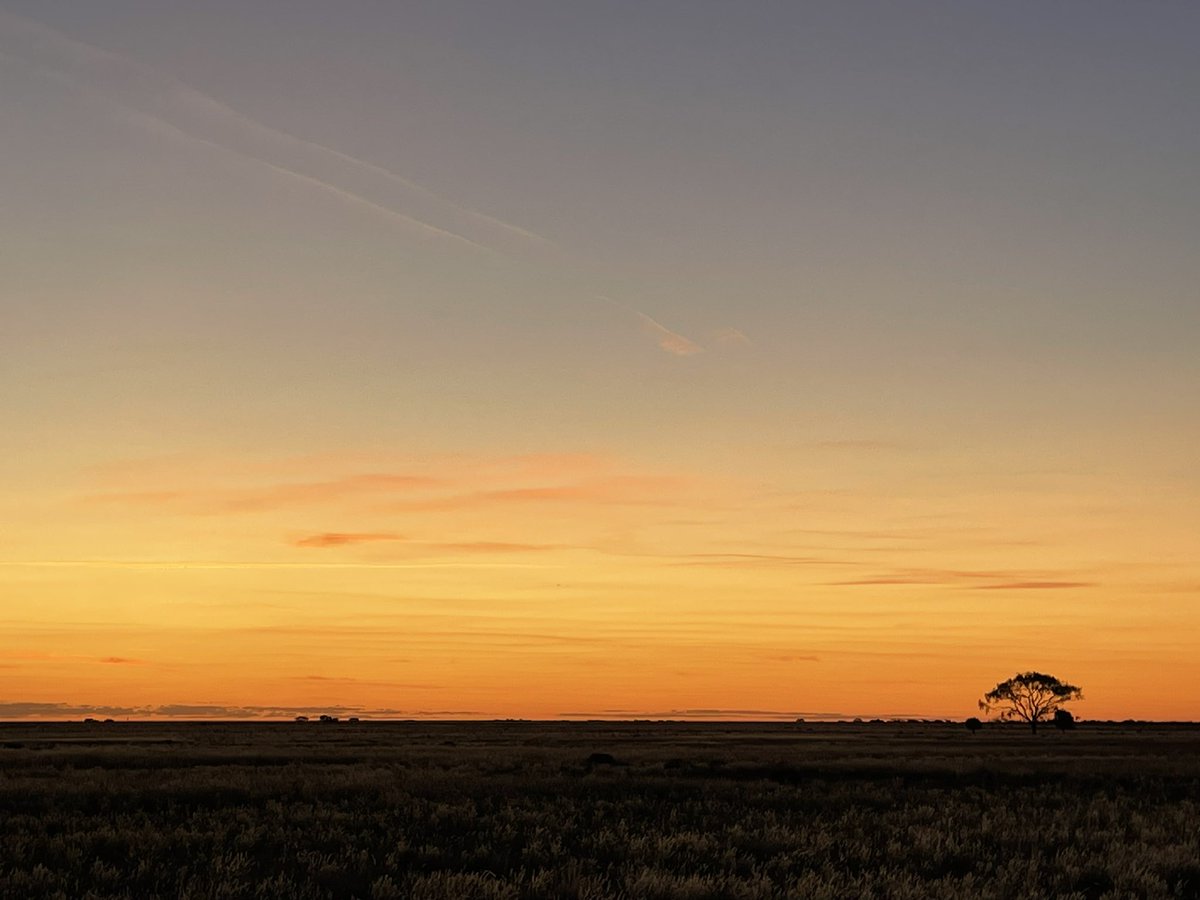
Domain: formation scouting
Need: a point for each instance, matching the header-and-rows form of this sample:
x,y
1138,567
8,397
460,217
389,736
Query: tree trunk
x,y
1033,725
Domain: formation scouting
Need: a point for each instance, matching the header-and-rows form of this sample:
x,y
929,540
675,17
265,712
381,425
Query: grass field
x,y
516,810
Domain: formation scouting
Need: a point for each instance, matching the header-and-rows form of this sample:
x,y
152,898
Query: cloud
x,y
222,564
630,490
29,710
1001,580
336,680
864,535
342,538
756,560
670,341
543,465
42,656
732,337
164,105
57,711
513,480
1034,585
858,444
493,547
232,500
887,579
707,713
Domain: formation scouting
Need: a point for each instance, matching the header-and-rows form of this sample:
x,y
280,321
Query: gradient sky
x,y
544,359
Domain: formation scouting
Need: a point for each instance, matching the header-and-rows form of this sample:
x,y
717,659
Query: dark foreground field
x,y
515,810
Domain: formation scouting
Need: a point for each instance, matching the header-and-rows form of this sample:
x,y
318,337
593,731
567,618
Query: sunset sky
x,y
541,359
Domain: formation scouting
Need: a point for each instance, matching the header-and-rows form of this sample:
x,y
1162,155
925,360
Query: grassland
x,y
516,810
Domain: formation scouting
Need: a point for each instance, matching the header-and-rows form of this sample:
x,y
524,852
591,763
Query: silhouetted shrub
x,y
1063,720
973,724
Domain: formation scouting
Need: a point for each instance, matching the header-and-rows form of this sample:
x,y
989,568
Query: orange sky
x,y
568,584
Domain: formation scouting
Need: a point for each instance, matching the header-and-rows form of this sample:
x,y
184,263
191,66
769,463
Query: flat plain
x,y
597,810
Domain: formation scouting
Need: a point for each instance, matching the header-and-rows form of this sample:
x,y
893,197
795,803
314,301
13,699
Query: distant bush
x,y
1063,720
973,724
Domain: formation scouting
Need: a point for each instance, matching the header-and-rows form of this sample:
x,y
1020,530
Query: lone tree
x,y
973,724
1028,697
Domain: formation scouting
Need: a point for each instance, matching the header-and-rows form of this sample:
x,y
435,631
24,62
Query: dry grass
x,y
517,810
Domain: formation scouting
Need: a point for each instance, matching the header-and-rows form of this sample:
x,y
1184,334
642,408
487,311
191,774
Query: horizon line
x,y
343,718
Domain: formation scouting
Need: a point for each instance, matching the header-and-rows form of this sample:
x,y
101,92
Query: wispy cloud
x,y
732,337
626,490
412,493
975,580
864,444
253,499
493,547
1035,585
717,713
670,341
346,681
24,657
344,538
162,104
757,560
233,565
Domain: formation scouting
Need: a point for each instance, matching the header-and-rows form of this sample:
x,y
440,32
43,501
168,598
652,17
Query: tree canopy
x,y
1028,697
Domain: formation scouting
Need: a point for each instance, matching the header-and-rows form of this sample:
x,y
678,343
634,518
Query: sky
x,y
544,360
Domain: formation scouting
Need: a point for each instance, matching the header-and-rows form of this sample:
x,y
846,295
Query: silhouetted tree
x,y
1063,720
973,724
1028,697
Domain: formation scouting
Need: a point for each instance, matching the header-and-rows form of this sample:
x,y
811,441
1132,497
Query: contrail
x,y
671,341
162,100
209,564
162,104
